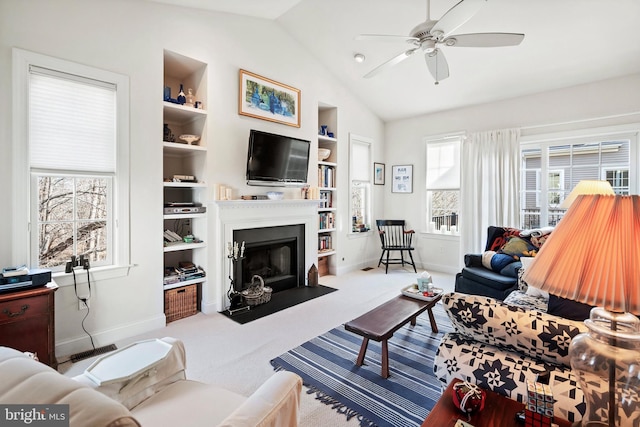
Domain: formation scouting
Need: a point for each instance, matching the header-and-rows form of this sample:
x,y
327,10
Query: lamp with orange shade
x,y
588,186
593,256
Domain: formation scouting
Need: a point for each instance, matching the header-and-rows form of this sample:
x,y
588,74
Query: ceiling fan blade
x,y
484,40
390,63
437,65
455,17
386,38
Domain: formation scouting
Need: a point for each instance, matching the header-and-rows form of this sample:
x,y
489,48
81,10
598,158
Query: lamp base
x,y
606,361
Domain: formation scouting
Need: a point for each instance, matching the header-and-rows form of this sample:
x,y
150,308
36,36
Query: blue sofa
x,y
494,273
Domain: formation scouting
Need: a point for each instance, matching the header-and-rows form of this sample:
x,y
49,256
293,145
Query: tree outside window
x,y
72,219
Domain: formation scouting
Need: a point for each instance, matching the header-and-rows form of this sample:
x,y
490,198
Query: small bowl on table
x,y
189,139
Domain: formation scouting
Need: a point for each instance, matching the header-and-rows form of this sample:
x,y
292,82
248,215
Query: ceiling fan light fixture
x,y
428,46
359,58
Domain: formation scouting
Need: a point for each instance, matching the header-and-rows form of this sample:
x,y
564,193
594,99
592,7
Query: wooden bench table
x,y
380,323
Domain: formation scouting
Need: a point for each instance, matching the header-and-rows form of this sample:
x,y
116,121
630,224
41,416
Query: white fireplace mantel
x,y
226,216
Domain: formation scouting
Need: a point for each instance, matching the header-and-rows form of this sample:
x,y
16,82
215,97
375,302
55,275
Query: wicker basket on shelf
x,y
257,293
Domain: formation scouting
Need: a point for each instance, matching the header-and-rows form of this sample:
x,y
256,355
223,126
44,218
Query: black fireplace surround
x,y
274,253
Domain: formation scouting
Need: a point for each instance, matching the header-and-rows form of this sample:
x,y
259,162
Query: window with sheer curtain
x,y
75,123
443,184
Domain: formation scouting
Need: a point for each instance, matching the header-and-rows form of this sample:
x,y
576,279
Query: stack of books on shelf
x,y
324,243
326,220
181,274
326,176
326,200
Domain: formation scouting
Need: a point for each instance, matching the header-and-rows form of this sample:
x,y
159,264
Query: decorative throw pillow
x,y
536,292
496,262
517,247
511,270
568,309
497,237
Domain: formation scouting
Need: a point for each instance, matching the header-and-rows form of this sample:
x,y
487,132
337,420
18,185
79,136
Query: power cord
x,y
85,300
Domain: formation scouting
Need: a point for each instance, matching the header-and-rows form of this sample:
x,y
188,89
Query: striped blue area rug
x,y
327,367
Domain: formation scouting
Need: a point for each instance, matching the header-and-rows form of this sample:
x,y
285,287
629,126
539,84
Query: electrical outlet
x,y
83,305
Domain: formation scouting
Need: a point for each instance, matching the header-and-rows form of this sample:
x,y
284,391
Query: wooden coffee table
x,y
499,411
380,323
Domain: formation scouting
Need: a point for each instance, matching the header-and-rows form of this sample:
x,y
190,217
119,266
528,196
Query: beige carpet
x,y
223,352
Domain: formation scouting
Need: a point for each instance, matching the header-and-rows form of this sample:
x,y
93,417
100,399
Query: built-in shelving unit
x,y
327,183
184,160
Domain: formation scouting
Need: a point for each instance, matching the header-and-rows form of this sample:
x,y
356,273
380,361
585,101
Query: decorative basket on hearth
x,y
257,293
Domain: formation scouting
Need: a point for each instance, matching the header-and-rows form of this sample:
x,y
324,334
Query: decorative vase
x,y
181,96
606,362
191,99
167,135
323,129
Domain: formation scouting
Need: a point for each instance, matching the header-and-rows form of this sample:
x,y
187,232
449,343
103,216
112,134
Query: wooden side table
x,y
499,411
27,322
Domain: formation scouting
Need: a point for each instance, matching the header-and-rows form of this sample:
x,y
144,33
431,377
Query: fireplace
x,y
277,254
229,217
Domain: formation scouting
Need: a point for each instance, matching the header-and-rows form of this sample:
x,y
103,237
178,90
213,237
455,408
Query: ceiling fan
x,y
430,36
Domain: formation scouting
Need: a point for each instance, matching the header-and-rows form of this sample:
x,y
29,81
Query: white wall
x,y
578,106
128,37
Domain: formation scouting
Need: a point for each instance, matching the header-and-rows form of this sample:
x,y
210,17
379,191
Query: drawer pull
x,y
23,309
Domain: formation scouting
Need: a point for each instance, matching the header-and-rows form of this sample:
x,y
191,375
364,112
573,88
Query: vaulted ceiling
x,y
566,43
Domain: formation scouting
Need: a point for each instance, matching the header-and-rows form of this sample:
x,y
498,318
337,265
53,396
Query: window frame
x,y
544,141
23,197
367,184
441,139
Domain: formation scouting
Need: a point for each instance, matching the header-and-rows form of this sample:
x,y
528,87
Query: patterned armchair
x,y
500,346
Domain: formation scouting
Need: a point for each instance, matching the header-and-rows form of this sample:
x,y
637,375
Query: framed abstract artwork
x,y
267,99
378,173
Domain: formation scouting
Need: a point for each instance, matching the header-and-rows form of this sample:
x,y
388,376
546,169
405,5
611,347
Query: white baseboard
x,y
111,336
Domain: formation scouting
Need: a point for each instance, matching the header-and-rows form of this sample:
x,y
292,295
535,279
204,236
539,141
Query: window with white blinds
x,y
443,165
72,122
442,183
360,177
71,157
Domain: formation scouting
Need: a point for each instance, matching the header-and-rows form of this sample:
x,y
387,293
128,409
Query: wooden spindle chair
x,y
394,237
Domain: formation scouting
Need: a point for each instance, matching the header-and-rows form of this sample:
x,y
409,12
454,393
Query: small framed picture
x,y
378,173
402,179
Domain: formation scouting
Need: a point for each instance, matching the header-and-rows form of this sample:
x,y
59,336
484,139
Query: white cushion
x,y
187,404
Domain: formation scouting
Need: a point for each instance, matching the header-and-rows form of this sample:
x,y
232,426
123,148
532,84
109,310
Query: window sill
x,y
352,235
96,274
439,236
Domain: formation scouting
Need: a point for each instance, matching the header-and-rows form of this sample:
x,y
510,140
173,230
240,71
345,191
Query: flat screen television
x,y
277,160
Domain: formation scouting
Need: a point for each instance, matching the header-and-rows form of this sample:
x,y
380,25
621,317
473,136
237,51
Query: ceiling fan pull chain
x,y
437,82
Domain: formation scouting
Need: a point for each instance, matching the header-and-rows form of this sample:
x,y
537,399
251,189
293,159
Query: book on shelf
x,y
326,200
325,243
326,220
326,176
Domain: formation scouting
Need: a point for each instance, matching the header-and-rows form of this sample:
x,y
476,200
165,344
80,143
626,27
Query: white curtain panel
x,y
490,185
